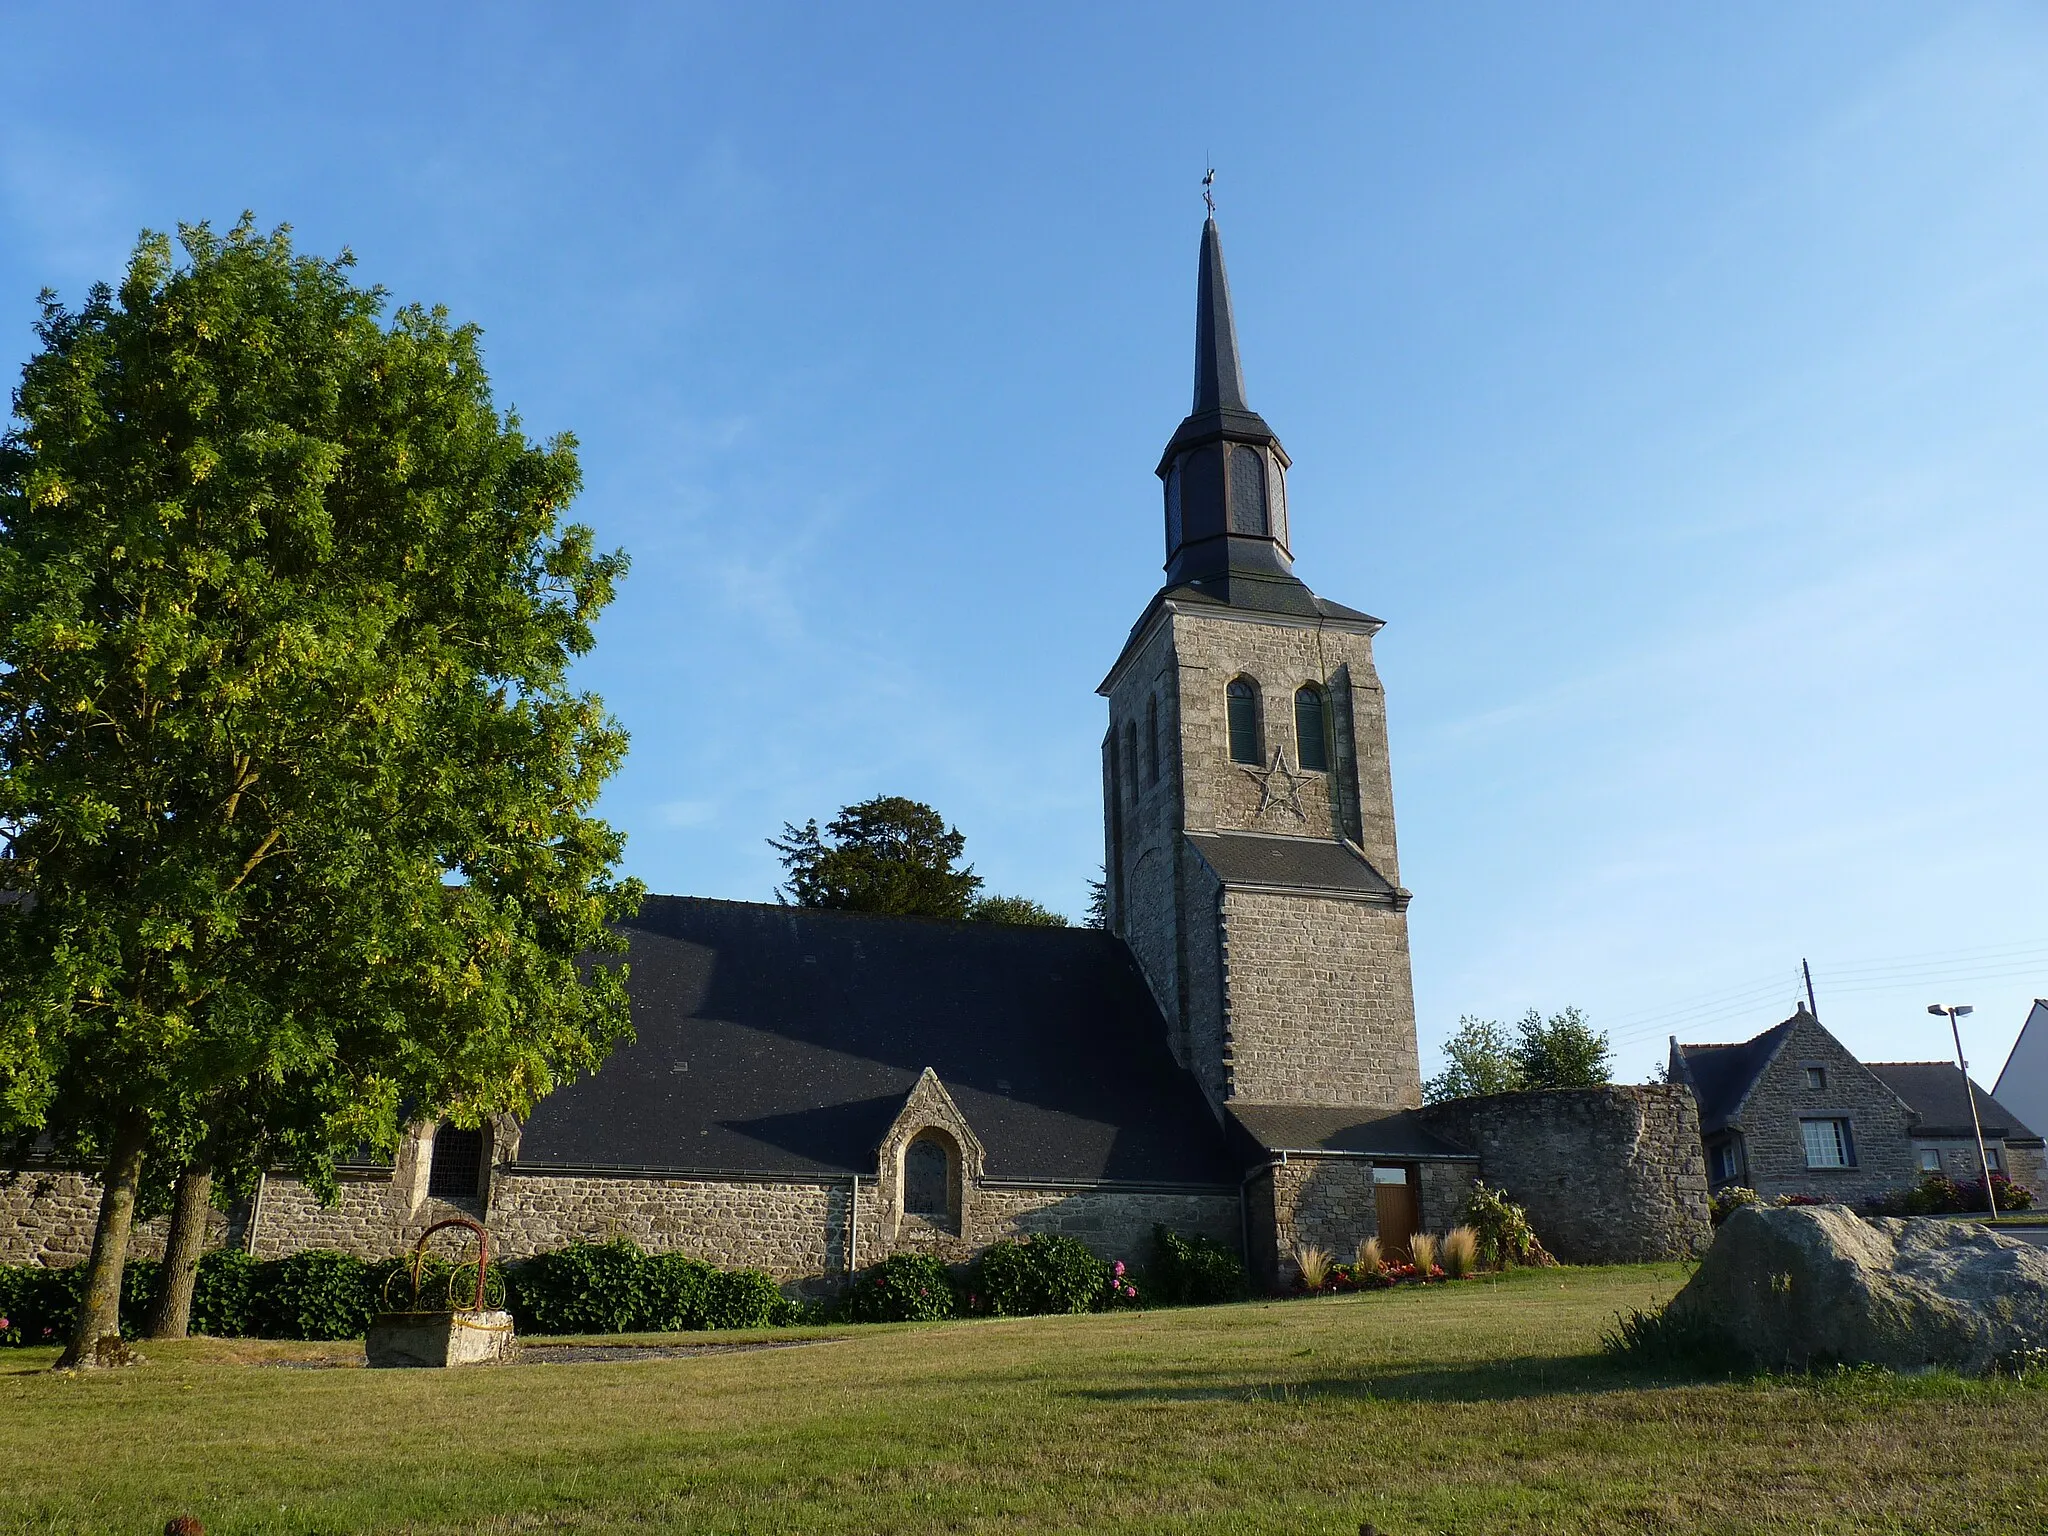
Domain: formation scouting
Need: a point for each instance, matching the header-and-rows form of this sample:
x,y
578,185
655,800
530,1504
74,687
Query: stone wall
x,y
1609,1175
1332,1203
795,1229
373,1217
47,1215
2023,1164
1880,1124
1320,1006
1344,964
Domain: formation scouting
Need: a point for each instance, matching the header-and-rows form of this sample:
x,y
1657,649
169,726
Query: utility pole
x,y
1954,1012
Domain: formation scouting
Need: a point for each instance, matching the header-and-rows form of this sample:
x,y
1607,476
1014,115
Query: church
x,y
1235,1056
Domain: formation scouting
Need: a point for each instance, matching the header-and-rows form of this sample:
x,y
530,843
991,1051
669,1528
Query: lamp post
x,y
1955,1011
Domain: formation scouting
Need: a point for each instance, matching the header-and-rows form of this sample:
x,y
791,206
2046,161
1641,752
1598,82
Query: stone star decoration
x,y
1285,793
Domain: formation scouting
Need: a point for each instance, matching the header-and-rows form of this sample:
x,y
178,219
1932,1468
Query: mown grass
x,y
1483,1407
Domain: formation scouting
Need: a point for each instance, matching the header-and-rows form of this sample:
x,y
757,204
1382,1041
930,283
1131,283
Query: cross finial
x,y
1209,192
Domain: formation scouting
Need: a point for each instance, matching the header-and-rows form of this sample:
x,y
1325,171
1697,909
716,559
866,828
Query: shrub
x,y
1461,1252
39,1304
1371,1262
1731,1200
1422,1250
224,1295
1193,1271
743,1298
1500,1226
903,1288
583,1288
1314,1264
675,1293
2010,1196
1046,1272
317,1294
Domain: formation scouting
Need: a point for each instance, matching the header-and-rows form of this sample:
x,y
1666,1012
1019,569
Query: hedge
x,y
613,1287
319,1294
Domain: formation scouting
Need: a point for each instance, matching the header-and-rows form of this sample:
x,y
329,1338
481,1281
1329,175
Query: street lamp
x,y
1954,1012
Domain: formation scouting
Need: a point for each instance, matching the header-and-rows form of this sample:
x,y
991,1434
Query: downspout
x,y
1244,1204
255,1216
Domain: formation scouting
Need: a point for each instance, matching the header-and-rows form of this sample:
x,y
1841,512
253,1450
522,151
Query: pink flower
x,y
1119,1269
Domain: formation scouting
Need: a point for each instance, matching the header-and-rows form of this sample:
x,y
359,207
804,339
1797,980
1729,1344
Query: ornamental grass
x,y
1461,1253
1372,1262
1314,1264
1422,1249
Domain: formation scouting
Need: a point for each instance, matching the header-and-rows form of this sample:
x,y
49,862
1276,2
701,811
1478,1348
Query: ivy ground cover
x,y
1485,1406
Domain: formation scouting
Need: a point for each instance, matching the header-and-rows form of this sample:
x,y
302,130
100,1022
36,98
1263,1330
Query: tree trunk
x,y
101,1313
171,1318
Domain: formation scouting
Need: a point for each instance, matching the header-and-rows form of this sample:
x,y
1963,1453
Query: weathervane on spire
x,y
1208,190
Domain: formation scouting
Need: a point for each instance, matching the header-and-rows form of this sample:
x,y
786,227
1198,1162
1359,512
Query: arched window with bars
x,y
1311,729
1242,709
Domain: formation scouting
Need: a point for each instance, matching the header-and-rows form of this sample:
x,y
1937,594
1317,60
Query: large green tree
x,y
292,777
1562,1051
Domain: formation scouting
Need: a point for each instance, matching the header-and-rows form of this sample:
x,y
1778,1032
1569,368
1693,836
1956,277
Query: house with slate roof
x,y
1793,1112
1234,1056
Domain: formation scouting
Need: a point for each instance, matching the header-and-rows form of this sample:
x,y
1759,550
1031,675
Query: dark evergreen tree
x,y
888,854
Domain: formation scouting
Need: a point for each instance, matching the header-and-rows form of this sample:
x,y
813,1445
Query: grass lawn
x,y
1481,1407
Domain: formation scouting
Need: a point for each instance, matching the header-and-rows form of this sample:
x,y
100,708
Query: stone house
x,y
1793,1112
1235,1056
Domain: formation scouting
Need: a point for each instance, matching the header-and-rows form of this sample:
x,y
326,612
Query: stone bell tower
x,y
1249,810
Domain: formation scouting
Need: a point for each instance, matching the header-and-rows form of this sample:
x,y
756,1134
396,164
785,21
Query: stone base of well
x,y
439,1338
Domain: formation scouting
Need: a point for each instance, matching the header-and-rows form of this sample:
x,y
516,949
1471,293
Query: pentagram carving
x,y
1279,786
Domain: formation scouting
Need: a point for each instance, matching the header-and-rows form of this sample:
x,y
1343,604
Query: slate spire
x,y
1219,376
1224,470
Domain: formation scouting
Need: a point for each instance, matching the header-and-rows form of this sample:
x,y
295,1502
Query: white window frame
x,y
1930,1159
1817,1131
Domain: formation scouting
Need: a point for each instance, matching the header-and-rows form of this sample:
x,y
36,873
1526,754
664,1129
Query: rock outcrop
x,y
1804,1284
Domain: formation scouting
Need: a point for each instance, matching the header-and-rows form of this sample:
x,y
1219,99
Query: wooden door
x,y
1400,1214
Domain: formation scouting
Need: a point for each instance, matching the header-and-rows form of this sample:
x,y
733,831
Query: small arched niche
x,y
931,1178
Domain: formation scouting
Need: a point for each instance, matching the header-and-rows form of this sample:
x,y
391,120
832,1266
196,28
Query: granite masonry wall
x,y
1320,1005
1166,768
2023,1164
1609,1175
47,1216
1332,1203
1773,1149
794,1229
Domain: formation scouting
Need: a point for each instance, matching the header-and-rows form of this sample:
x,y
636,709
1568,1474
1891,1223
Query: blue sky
x,y
1671,380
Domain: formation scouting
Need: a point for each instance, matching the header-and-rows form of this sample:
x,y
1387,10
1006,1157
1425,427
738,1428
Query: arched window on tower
x,y
1248,491
1131,758
1311,729
1243,709
1152,735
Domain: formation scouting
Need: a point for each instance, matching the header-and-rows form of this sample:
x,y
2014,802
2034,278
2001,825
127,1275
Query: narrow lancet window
x,y
1245,746
1152,735
1311,726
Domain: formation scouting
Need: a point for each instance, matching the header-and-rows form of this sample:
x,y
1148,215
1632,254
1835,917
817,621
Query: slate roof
x,y
1720,1075
1397,1135
779,1040
1313,864
1935,1090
